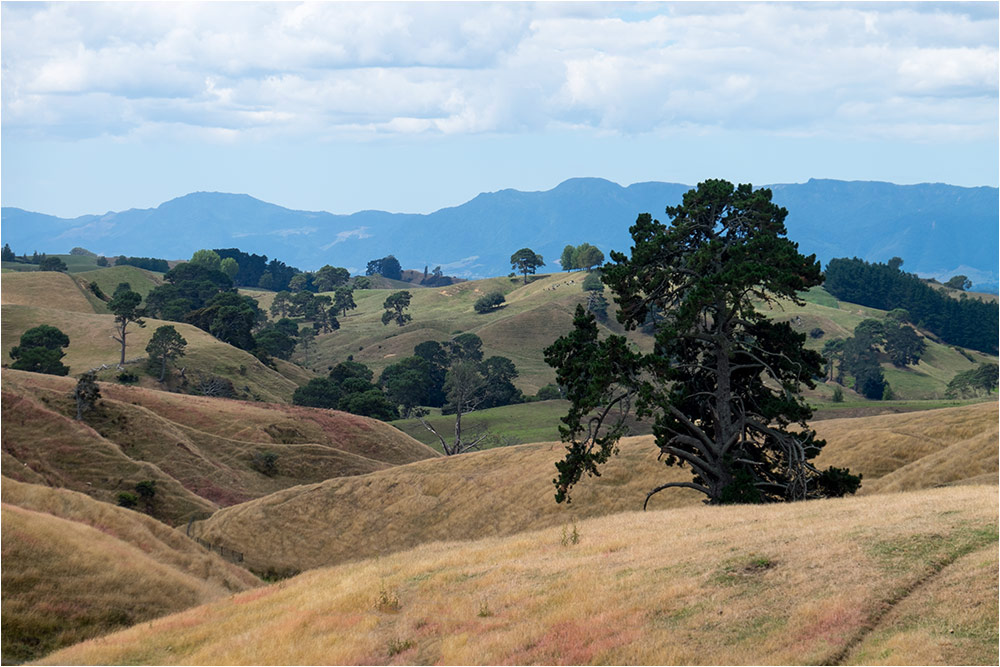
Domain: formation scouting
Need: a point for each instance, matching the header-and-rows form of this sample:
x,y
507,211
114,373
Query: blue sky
x,y
417,106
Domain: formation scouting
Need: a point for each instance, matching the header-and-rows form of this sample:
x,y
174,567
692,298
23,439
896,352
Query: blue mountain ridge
x,y
939,230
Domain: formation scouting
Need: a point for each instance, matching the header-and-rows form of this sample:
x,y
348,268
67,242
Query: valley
x,y
393,553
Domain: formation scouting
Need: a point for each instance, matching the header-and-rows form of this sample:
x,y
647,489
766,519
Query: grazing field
x,y
508,490
201,452
76,568
822,582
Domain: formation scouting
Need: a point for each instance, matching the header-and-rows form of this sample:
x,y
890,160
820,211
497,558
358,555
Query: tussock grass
x,y
76,568
508,490
682,586
199,450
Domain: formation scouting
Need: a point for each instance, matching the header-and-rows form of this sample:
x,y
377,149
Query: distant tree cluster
x,y
254,270
859,355
198,292
348,388
387,267
583,256
959,282
969,323
489,302
981,380
148,263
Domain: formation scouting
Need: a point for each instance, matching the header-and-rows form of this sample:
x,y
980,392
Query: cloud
x,y
247,72
359,233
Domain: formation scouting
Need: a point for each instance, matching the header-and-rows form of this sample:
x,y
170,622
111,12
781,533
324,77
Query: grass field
x,y
508,490
76,568
824,582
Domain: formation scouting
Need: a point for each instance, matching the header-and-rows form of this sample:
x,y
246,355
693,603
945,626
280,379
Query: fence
x,y
231,555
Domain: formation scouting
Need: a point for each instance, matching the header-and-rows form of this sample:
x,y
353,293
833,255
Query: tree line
x,y
965,322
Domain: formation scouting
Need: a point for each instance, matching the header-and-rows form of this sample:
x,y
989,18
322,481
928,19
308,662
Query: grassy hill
x,y
201,452
901,578
509,490
76,568
535,314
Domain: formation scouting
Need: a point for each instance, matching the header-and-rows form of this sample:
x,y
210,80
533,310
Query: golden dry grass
x,y
801,583
916,449
55,290
75,568
508,490
199,450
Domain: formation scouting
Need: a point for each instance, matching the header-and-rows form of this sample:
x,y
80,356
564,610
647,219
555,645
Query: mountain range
x,y
939,230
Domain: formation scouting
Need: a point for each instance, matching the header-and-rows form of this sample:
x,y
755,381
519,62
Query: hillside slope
x,y
803,583
200,451
76,568
509,490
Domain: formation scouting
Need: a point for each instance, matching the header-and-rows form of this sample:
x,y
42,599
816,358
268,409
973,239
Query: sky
x,y
415,106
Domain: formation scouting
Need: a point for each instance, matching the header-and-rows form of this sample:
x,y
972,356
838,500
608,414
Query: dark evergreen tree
x,y
86,394
125,305
394,305
165,345
526,261
40,351
722,380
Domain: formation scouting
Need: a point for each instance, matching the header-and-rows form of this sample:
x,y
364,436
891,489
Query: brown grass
x,y
76,568
788,584
57,291
509,490
199,450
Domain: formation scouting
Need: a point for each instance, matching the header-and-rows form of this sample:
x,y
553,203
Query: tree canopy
x,y
40,351
722,381
125,306
526,261
394,305
165,345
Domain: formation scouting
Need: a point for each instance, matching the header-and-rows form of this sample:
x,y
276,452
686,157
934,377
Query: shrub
x,y
265,463
838,395
816,333
127,377
97,291
489,303
127,500
548,392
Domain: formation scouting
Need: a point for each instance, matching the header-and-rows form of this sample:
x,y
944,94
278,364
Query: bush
x,y
127,499
489,303
127,377
265,463
548,392
838,395
97,291
816,333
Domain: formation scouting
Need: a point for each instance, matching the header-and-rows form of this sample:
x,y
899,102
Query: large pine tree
x,y
722,381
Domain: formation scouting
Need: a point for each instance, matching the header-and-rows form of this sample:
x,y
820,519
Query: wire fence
x,y
232,555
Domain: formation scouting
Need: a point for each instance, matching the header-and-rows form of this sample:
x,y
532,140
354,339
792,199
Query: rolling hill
x,y
901,578
76,568
202,452
509,490
938,229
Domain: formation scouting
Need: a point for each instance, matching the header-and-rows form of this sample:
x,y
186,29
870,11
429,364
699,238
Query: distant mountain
x,y
939,230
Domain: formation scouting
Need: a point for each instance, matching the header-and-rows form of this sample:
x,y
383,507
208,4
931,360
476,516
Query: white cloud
x,y
231,72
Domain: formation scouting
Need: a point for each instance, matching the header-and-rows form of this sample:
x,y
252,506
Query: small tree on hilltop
x,y
722,380
125,306
526,261
959,282
86,394
394,306
166,344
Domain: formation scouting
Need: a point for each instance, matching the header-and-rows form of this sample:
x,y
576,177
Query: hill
x,y
201,452
940,230
509,490
76,568
904,578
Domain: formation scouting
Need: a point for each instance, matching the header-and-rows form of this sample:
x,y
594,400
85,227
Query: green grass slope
x,y
75,568
798,583
108,278
200,451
